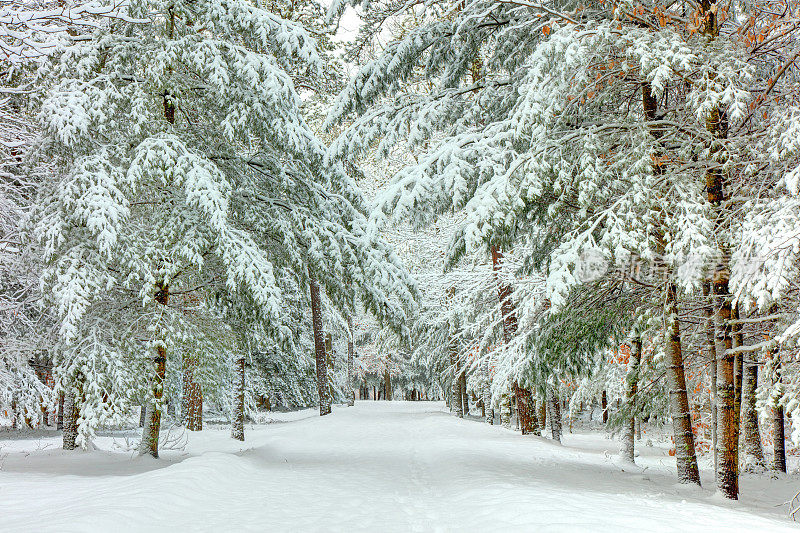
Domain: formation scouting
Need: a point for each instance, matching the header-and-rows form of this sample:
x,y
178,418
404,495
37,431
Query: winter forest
x,y
405,265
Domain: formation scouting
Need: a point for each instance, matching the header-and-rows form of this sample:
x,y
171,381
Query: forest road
x,y
378,466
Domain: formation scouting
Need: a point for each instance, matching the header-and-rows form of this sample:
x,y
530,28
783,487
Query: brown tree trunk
x,y
522,395
536,429
60,416
524,406
505,409
716,183
464,396
351,392
738,370
754,453
455,382
712,358
387,382
778,440
487,393
196,407
604,406
237,425
542,413
70,421
192,402
778,435
727,436
554,413
152,425
319,348
633,387
685,456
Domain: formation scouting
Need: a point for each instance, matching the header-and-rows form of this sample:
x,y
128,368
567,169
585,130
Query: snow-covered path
x,y
380,466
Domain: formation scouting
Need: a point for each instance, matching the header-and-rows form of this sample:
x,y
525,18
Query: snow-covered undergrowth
x,y
387,466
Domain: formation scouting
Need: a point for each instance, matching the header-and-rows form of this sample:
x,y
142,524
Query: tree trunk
x,y
778,440
70,421
196,407
727,436
685,456
754,454
152,425
505,410
350,390
455,382
524,406
554,413
509,316
462,385
604,406
487,393
534,410
319,348
633,387
712,358
60,416
192,402
778,436
715,186
738,379
387,383
542,413
237,422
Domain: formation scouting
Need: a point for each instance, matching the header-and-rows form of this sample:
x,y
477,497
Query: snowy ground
x,y
385,466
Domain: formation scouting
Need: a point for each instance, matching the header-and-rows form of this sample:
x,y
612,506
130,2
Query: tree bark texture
x,y
152,426
505,409
542,413
70,421
727,435
754,453
504,293
712,359
192,401
462,385
536,429
554,413
487,394
455,383
319,348
737,341
351,393
778,435
237,423
387,386
604,406
633,387
60,416
685,456
716,182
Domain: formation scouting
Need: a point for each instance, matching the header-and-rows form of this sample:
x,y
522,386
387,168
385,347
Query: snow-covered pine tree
x,y
547,149
29,31
185,165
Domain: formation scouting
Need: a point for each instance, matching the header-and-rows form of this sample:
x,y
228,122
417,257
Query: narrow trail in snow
x,y
388,466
